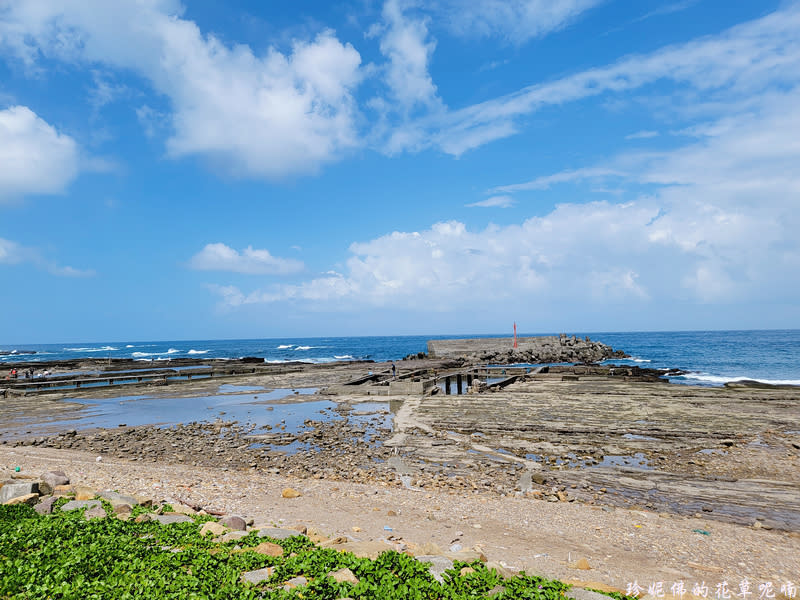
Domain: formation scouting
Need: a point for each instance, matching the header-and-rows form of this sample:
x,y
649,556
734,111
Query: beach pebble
x,y
290,493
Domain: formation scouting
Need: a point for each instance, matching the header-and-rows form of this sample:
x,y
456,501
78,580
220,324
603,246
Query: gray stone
x,y
583,594
54,478
524,483
258,575
14,489
170,519
295,582
96,512
45,507
344,575
439,564
29,499
232,536
116,498
278,534
234,522
76,504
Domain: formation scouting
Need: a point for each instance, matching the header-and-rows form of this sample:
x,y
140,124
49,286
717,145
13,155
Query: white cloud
x,y
13,253
265,116
219,257
404,42
642,135
495,202
718,227
546,181
729,68
515,20
34,157
448,266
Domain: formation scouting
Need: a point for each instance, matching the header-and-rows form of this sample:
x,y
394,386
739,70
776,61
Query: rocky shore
x,y
588,546
607,444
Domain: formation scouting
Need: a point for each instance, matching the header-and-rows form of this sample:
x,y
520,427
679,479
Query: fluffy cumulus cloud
x,y
269,115
219,257
449,266
515,20
719,226
34,157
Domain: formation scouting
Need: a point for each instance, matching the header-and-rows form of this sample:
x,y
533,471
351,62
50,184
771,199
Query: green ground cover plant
x,y
65,556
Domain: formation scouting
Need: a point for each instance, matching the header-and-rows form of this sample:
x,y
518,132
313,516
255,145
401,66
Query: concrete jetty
x,y
543,349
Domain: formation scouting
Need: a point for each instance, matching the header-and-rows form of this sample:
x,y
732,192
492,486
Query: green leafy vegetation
x,y
65,556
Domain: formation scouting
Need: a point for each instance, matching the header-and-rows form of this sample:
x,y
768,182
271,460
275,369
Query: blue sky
x,y
205,169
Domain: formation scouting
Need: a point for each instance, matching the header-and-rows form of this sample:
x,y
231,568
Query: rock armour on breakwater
x,y
543,349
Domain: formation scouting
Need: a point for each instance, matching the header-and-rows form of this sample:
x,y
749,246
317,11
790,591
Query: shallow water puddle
x,y
147,410
230,388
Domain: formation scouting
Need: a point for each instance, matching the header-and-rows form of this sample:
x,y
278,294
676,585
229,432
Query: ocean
x,y
708,357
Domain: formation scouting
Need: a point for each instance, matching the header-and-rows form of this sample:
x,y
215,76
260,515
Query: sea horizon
x,y
7,345
707,357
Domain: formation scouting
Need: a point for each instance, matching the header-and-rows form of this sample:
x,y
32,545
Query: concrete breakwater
x,y
543,349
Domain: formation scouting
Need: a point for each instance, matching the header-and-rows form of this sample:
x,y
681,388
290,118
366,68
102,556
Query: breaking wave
x,y
722,380
103,349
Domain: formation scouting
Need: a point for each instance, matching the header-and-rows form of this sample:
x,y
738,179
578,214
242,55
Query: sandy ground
x,y
621,545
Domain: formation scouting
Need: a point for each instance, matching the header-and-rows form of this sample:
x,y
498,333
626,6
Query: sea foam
x,y
103,349
721,380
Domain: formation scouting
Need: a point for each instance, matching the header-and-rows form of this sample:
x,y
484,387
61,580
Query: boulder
x,y
116,498
213,528
170,519
51,480
84,493
500,569
439,564
277,534
234,522
290,493
29,499
15,489
182,509
258,575
269,549
295,582
78,504
343,575
95,512
45,507
232,536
